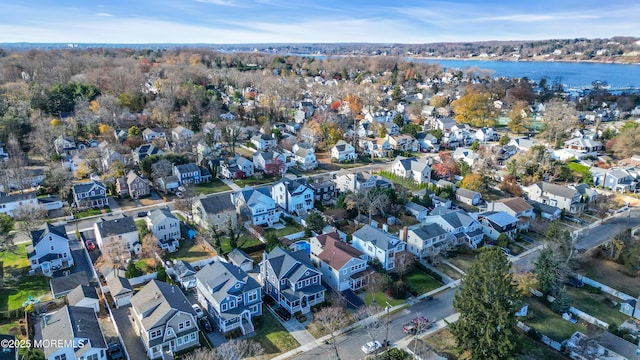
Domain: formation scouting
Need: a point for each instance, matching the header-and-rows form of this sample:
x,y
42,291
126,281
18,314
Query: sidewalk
x,y
295,328
231,184
445,279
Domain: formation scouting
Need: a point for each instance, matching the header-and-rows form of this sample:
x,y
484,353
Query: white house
x,y
263,159
412,169
150,134
181,134
305,156
343,151
119,287
416,210
257,204
425,239
76,333
487,134
49,249
165,227
462,228
237,167
380,245
342,266
468,197
263,142
84,296
115,234
9,203
467,155
362,181
293,196
555,195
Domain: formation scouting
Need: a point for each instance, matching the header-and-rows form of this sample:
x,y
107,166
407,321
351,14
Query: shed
x,y
240,259
85,296
468,197
416,210
120,288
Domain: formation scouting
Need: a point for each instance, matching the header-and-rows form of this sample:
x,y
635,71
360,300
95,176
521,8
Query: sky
x,y
313,21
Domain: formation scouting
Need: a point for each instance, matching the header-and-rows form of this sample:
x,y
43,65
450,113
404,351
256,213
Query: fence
x,y
605,288
543,338
588,318
143,278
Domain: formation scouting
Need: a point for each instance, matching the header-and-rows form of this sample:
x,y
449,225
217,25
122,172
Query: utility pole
x,y
386,339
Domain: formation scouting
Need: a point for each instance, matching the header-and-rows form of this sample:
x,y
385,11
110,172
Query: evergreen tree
x,y
487,303
562,302
548,268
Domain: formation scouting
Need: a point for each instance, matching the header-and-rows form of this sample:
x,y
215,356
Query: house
x,y
522,144
181,134
61,286
215,211
618,179
342,266
232,297
191,174
237,167
143,151
163,319
293,196
64,145
323,189
583,145
343,151
516,207
403,142
392,129
165,227
468,197
495,223
49,249
119,287
213,131
587,193
150,134
428,142
84,296
444,123
240,259
76,333
291,281
262,161
378,147
49,202
263,142
137,186
467,155
416,210
9,203
168,183
378,245
9,352
305,156
413,169
425,239
185,274
487,134
110,156
257,204
90,195
118,235
546,211
346,181
555,195
462,228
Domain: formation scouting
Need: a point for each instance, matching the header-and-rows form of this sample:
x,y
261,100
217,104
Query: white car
x,y
371,347
198,310
182,188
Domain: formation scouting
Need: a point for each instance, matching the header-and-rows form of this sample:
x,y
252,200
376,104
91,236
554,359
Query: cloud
x,y
104,14
231,3
526,18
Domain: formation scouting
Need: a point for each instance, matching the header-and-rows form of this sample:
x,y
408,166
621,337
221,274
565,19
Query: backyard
x,y
463,260
547,322
611,274
596,304
273,337
17,285
15,261
212,187
420,282
245,241
287,230
190,251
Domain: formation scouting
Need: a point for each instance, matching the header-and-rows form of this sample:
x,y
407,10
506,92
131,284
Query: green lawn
x,y
597,305
287,230
244,242
189,252
547,322
420,282
91,212
382,299
273,337
463,260
213,187
17,292
180,217
253,181
15,260
146,265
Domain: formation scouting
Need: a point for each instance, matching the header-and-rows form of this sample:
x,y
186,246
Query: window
x,y
184,325
224,307
192,336
52,248
179,341
253,296
155,333
92,357
61,357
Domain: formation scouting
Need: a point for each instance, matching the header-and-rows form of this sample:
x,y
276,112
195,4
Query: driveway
x,y
80,259
132,342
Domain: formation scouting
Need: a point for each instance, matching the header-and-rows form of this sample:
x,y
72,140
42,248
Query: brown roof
x,y
516,204
336,253
322,238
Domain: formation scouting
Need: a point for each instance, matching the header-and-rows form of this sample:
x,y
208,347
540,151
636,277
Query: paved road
x,y
349,344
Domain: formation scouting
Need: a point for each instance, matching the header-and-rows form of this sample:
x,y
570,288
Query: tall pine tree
x,y
487,303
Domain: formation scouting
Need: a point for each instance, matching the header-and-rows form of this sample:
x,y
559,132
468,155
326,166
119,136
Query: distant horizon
x,y
235,22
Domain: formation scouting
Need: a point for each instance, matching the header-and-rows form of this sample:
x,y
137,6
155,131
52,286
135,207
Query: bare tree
x,y
332,318
29,217
161,169
150,247
404,264
376,283
231,350
114,253
372,326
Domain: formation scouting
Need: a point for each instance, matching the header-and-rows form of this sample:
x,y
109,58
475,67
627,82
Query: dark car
x,y
115,351
206,325
142,214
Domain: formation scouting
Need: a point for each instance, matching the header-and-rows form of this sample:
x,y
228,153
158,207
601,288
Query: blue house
x,y
191,174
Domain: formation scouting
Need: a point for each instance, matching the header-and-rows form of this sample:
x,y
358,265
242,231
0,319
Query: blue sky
x,y
309,21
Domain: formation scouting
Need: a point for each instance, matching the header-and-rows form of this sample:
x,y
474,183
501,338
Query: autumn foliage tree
x,y
355,104
475,107
447,168
474,182
276,167
519,119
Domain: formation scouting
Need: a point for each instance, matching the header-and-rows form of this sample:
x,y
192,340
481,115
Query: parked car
x,y
205,324
371,347
575,282
179,194
142,214
182,188
196,308
89,245
115,351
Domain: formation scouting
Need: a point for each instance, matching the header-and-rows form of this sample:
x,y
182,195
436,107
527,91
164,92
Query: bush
x,y
132,271
431,273
534,334
162,273
398,289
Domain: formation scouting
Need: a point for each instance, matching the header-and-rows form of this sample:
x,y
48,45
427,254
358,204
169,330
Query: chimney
x,y
404,233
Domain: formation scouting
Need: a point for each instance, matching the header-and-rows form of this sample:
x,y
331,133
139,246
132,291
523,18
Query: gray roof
x,y
427,231
40,234
411,163
294,187
4,198
239,257
251,196
457,218
545,208
117,226
287,264
224,279
73,322
81,292
158,215
63,285
216,204
117,283
466,193
183,269
157,302
377,237
85,187
258,137
413,206
185,168
500,218
557,190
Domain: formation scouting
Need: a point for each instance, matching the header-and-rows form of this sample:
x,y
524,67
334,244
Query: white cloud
x,y
231,3
103,14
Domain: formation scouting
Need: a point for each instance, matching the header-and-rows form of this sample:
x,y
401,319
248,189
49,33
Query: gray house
x,y
468,197
71,326
185,274
240,259
120,288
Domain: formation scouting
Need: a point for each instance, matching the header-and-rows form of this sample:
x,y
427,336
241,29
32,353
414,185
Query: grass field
x,y
15,260
189,252
14,293
273,337
382,299
547,322
146,265
420,282
91,212
598,305
244,242
610,274
463,260
213,187
287,230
